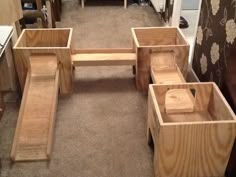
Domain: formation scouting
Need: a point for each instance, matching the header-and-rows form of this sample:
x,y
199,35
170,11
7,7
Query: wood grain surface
x,y
45,41
103,59
33,135
155,51
195,144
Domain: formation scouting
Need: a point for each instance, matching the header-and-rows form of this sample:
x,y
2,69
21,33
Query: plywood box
x,y
45,41
193,143
161,48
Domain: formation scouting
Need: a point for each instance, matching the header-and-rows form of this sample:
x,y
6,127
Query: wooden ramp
x,y
34,131
164,70
103,57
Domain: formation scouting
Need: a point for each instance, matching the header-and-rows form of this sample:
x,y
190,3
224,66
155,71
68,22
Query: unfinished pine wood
x,y
162,51
190,144
163,60
33,135
45,41
166,76
104,59
83,1
151,36
143,69
179,101
101,50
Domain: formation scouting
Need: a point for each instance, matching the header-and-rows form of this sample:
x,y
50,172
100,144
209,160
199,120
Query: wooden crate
x,y
45,41
159,47
193,143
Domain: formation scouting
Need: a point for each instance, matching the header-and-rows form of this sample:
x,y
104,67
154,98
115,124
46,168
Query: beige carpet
x,y
100,130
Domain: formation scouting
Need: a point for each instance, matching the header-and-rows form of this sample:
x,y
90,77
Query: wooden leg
x,y
134,70
82,3
49,18
1,105
143,69
125,4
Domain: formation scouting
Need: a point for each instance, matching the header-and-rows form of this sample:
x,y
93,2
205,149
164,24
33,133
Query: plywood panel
x,y
194,150
104,59
33,136
190,144
23,49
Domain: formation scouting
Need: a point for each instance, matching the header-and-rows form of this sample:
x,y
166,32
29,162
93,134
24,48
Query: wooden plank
x,y
37,62
104,59
33,136
180,39
218,106
179,100
178,53
125,4
192,151
49,14
150,36
47,37
143,69
101,50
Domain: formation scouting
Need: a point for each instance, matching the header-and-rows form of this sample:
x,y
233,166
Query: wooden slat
x,y
45,41
33,139
104,59
180,100
101,50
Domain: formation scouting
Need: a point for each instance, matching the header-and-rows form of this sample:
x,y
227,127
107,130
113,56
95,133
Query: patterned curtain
x,y
215,39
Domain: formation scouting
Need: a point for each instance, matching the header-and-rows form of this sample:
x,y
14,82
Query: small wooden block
x,y
179,101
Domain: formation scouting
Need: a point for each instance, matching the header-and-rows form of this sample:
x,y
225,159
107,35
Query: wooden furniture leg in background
x,y
82,3
2,105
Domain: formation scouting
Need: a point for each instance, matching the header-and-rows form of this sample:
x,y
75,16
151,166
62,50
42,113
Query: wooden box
x,y
45,41
164,47
193,143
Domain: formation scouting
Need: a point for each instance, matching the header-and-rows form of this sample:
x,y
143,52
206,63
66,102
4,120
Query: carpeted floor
x,y
100,130
105,26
